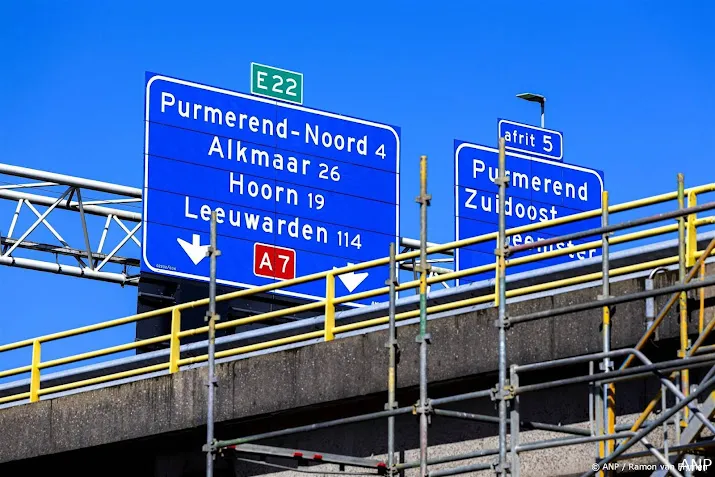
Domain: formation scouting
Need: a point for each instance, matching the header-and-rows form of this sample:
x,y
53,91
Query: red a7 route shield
x,y
270,261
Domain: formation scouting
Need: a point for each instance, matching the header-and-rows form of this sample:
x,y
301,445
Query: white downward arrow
x,y
194,250
352,280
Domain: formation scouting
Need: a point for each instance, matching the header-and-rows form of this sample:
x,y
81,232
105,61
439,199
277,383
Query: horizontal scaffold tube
x,y
628,224
524,424
637,371
348,420
613,301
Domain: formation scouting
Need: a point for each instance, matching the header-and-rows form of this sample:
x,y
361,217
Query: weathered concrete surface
x,y
306,380
178,455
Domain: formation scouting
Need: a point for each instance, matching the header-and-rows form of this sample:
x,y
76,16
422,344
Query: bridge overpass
x,y
310,394
156,421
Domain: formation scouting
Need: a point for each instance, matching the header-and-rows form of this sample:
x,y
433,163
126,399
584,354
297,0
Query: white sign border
x,y
529,153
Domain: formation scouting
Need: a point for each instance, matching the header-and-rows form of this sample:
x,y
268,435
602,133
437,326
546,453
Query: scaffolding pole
x,y
502,181
423,407
392,365
683,298
608,390
211,317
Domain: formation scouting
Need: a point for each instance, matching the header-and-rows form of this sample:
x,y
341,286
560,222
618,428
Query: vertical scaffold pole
x,y
211,316
683,299
608,390
502,467
514,426
392,365
423,338
599,421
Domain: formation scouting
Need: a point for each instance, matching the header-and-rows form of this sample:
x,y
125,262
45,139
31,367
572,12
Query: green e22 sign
x,y
276,83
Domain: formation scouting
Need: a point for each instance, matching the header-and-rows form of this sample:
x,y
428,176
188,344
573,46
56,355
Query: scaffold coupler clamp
x,y
424,199
507,322
502,181
207,317
501,468
427,337
506,393
210,251
211,448
507,251
393,343
419,408
602,365
213,383
604,297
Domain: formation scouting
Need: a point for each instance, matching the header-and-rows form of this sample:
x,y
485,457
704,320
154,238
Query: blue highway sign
x,y
539,190
531,140
296,190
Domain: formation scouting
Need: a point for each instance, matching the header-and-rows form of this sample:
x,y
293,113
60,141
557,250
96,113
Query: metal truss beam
x,y
71,181
67,251
91,260
73,206
69,270
94,260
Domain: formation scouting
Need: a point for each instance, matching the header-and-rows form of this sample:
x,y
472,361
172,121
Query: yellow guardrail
x,y
328,304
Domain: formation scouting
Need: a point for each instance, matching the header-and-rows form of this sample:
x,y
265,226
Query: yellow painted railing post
x,y
701,314
175,340
692,237
35,372
329,307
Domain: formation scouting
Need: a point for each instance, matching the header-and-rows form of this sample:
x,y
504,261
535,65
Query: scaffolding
x,y
688,411
693,404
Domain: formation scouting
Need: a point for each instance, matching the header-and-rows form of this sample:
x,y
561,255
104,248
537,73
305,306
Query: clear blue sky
x,y
629,84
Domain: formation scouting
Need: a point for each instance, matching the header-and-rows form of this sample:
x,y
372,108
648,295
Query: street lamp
x,y
534,98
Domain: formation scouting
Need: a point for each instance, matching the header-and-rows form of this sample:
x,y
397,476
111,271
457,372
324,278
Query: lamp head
x,y
534,98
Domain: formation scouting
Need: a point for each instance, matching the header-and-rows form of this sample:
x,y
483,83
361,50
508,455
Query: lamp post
x,y
535,98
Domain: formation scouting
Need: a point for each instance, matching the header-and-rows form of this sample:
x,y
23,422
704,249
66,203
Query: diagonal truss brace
x,y
39,220
90,263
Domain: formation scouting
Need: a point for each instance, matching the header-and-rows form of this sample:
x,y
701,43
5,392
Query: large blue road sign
x,y
531,140
539,190
296,191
